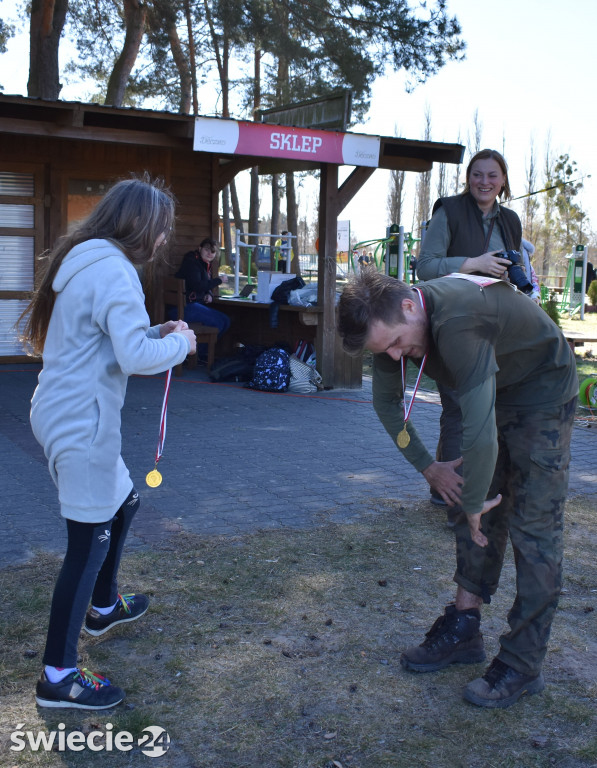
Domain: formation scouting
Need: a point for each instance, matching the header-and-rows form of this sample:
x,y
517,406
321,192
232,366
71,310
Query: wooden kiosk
x,y
56,159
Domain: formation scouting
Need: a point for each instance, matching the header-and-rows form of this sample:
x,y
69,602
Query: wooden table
x,y
251,325
576,339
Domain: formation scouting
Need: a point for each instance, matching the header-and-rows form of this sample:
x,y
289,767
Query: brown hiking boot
x,y
454,638
501,686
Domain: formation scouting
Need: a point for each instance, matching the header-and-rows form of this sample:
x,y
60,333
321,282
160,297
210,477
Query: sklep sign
x,y
234,137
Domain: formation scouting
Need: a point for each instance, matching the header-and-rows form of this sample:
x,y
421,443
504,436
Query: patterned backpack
x,y
271,372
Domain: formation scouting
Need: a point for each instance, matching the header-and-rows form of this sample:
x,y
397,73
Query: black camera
x,y
516,273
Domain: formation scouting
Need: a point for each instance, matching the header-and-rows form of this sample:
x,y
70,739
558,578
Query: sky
x,y
529,73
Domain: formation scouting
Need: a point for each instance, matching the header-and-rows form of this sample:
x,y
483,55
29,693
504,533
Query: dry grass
x,y
281,649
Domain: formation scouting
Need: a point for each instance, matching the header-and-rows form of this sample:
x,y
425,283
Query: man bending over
x,y
516,379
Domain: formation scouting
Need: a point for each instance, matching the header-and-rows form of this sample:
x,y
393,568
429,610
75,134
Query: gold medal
x,y
403,438
153,478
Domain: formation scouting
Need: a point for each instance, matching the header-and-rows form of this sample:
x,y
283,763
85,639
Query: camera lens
x,y
516,273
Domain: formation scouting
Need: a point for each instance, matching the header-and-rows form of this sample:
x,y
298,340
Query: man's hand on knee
x,y
443,477
474,521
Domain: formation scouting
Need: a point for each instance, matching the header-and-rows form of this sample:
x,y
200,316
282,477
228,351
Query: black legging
x,y
89,572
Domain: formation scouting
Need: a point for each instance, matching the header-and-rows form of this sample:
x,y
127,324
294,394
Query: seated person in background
x,y
195,270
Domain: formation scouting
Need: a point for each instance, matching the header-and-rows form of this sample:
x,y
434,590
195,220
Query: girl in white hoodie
x,y
89,322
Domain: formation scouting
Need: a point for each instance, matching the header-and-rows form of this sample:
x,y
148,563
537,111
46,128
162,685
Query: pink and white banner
x,y
234,137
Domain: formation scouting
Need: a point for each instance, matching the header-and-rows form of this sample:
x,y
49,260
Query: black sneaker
x,y
128,608
79,690
501,686
437,500
454,638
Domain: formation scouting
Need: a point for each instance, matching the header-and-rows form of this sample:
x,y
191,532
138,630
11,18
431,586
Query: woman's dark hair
x,y
366,298
131,215
490,154
208,241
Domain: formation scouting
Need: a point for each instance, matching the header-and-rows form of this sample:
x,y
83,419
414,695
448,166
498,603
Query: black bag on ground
x,y
231,369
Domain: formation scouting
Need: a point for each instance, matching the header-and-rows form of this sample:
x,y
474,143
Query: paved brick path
x,y
235,461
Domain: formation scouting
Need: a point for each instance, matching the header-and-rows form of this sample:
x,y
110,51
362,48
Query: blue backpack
x,y
271,372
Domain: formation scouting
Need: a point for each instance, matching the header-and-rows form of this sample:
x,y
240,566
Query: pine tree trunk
x,y
292,221
226,224
192,56
47,21
236,215
135,15
275,228
254,206
254,195
238,222
182,65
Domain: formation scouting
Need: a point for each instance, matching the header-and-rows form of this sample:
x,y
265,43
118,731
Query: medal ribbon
x,y
403,365
162,435
154,478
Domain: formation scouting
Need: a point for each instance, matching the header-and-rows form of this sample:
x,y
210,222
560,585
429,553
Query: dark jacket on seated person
x,y
197,277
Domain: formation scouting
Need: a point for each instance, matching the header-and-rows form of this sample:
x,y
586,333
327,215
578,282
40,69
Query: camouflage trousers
x,y
531,473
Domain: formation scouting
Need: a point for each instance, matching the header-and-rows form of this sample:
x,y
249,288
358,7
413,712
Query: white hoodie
x,y
98,335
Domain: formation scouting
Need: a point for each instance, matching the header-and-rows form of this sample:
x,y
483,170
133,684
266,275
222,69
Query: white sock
x,y
56,674
105,611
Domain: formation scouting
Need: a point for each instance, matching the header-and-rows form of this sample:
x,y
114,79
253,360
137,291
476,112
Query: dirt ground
x,y
281,649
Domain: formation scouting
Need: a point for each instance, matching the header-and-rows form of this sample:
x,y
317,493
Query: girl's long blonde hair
x,y
132,215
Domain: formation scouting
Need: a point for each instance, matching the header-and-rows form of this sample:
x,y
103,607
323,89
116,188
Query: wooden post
x,y
326,274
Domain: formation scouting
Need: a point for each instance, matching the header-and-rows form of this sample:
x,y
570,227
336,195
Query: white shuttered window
x,y
17,254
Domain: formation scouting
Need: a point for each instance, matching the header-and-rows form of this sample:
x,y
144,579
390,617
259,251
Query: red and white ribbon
x,y
403,365
162,435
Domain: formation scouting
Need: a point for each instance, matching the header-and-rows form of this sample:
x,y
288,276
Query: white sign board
x,y
343,245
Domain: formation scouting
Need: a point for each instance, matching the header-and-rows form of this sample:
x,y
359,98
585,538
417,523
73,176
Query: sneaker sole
x,y
97,632
53,704
466,657
535,686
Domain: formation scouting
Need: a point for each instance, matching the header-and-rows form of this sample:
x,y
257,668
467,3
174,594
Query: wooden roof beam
x,y
405,164
432,151
88,133
227,171
352,185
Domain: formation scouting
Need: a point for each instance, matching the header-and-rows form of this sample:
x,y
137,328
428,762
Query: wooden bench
x,y
173,295
576,339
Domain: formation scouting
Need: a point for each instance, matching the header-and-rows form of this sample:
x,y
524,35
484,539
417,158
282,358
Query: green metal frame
x,y
380,248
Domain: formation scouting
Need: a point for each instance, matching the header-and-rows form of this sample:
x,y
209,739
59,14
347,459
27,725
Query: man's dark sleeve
x,y
479,444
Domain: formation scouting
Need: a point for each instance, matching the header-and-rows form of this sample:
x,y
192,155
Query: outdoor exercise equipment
x,y
391,254
573,295
263,255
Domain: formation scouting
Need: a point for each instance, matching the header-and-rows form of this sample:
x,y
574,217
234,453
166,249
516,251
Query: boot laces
x,y
496,672
444,629
439,628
